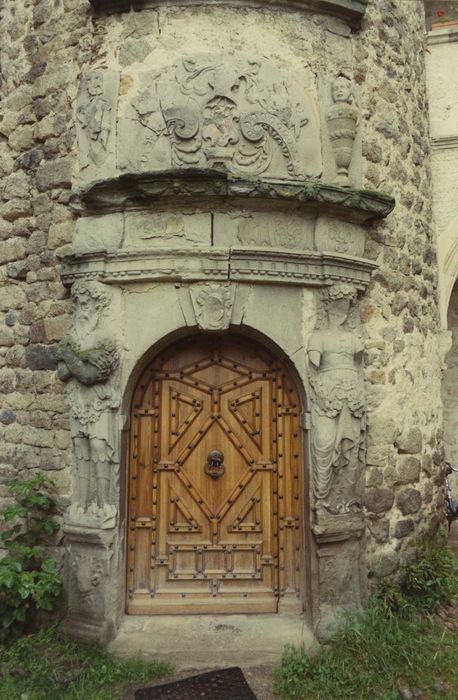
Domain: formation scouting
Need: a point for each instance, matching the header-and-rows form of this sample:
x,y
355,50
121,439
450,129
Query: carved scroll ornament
x,y
213,305
338,404
228,112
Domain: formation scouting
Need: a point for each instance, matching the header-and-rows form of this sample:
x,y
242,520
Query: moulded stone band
x,y
351,11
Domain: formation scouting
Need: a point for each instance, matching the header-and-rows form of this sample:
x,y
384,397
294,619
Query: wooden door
x,y
200,540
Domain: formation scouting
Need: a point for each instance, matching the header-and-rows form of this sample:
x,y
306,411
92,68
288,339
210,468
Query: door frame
x,y
308,562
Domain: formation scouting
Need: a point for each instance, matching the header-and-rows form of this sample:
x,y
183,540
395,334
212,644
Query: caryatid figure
x,y
337,405
87,360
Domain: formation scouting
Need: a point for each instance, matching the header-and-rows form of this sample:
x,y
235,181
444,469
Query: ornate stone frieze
x,y
213,305
96,124
351,11
229,112
88,360
338,405
359,206
242,264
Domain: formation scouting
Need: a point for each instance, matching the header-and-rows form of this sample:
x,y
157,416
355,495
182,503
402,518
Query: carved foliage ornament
x,y
232,113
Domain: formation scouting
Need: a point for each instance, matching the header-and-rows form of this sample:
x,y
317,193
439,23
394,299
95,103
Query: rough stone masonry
x,y
48,46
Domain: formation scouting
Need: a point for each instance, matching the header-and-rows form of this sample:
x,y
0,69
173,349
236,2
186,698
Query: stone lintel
x,y
350,11
139,190
241,264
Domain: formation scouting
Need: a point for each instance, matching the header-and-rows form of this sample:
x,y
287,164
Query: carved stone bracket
x,y
360,206
241,264
351,11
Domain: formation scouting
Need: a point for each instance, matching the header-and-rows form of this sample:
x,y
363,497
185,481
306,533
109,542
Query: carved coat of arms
x,y
228,112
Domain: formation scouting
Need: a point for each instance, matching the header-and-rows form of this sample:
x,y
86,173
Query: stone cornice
x,y
351,11
359,206
241,264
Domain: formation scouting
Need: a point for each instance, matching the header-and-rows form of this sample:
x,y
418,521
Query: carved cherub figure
x,y
338,405
87,361
342,119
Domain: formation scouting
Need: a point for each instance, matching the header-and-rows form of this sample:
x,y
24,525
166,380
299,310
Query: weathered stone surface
x,y
385,563
41,357
55,173
403,528
408,470
378,500
410,441
409,501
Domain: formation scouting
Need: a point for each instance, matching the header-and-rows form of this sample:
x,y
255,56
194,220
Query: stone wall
x,y
50,45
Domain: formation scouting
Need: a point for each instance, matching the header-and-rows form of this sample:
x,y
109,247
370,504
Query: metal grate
x,y
227,684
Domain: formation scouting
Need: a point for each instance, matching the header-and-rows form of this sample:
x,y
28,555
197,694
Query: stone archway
x,y
217,507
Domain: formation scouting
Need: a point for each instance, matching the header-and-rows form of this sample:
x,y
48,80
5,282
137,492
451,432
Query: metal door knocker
x,y
215,464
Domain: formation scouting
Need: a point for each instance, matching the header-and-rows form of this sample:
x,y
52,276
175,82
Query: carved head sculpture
x,y
90,299
341,89
93,82
339,299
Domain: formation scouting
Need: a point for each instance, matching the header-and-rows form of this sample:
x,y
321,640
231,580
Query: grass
x,y
398,642
50,666
372,657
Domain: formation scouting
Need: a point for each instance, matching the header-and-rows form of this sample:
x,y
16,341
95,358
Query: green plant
x,y
29,579
48,665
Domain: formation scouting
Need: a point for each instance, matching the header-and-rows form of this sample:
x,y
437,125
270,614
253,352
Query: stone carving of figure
x,y
94,117
87,361
342,119
338,406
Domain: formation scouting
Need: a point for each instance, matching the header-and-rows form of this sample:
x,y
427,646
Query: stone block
x,y
60,234
41,357
15,208
12,297
94,233
378,500
6,337
54,173
408,470
382,429
385,563
403,528
409,501
410,441
7,416
149,229
55,327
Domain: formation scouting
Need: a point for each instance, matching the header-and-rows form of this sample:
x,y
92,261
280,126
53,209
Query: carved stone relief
x,y
88,360
96,123
338,404
89,568
264,228
148,229
337,236
213,305
341,130
230,112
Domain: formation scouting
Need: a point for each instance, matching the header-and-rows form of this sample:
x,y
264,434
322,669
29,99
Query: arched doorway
x,y
216,493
